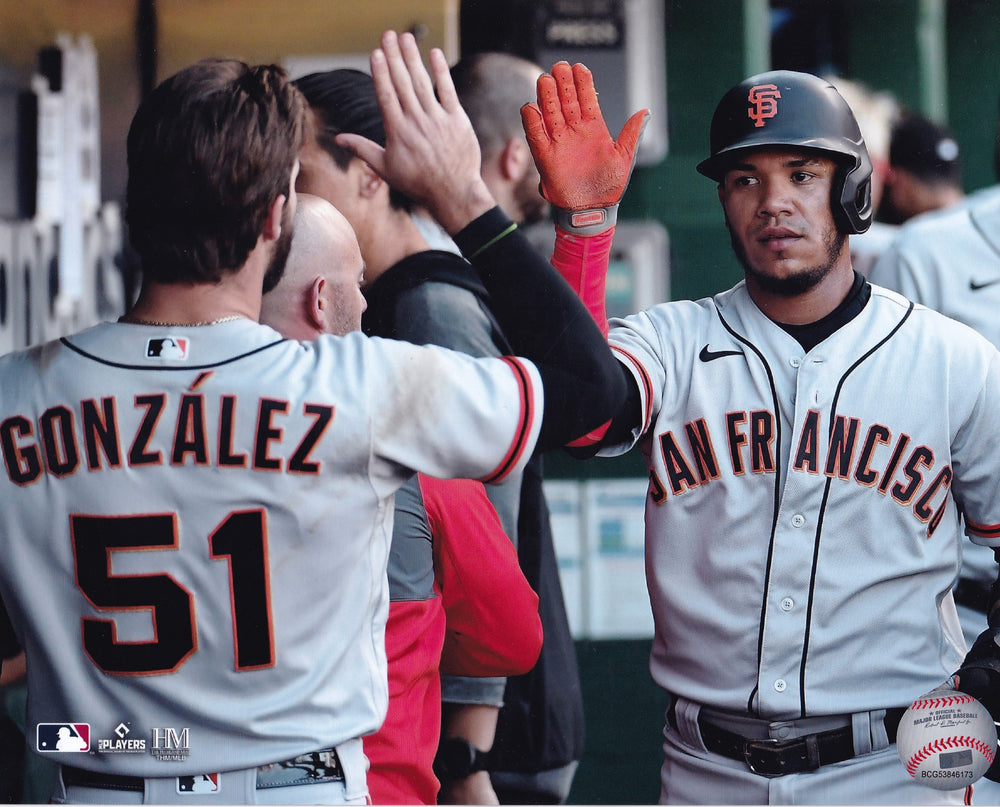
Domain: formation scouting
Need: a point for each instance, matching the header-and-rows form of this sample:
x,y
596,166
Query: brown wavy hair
x,y
209,150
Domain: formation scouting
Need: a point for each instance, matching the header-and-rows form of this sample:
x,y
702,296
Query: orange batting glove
x,y
584,172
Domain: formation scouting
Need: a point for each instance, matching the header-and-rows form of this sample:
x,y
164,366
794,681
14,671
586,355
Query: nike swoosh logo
x,y
707,355
974,286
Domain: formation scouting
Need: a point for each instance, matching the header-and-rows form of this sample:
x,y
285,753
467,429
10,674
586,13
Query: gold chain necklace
x,y
140,321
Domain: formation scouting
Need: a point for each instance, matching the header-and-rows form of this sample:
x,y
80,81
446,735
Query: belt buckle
x,y
762,746
309,768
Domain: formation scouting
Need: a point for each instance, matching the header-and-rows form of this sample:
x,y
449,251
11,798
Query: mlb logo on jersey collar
x,y
167,347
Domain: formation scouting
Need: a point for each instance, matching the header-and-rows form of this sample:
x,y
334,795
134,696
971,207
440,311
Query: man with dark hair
x,y
925,169
949,260
202,225
540,731
421,295
807,494
210,529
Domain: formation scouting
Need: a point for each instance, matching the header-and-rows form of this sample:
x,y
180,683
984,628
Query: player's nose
x,y
774,198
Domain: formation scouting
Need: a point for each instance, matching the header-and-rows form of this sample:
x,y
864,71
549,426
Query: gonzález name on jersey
x,y
189,430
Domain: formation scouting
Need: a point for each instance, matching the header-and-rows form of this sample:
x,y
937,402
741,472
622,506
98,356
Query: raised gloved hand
x,y
584,172
979,676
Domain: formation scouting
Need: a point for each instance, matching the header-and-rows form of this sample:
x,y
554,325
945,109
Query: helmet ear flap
x,y
852,200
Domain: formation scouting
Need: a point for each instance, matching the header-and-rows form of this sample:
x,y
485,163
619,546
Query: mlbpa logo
x,y
167,347
763,100
64,737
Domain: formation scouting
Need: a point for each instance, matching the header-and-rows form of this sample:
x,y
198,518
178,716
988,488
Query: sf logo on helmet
x,y
763,100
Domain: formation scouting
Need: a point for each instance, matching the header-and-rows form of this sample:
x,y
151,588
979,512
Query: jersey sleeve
x,y
493,625
635,343
447,414
543,319
977,482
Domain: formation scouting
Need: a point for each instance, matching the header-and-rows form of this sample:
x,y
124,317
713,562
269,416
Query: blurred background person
x,y
925,169
540,734
876,112
949,260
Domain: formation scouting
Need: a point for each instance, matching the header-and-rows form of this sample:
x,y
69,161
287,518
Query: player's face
x,y
279,257
531,205
777,208
347,303
344,302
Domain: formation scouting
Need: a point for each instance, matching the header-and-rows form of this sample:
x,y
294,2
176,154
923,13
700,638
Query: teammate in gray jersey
x,y
812,440
195,513
949,260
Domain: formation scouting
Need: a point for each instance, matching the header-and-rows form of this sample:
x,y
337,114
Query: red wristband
x,y
583,263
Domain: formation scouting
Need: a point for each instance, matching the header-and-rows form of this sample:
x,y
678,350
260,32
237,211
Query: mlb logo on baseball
x,y
946,740
62,737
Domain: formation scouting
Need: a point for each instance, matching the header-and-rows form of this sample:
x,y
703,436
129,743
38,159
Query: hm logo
x,y
763,100
170,745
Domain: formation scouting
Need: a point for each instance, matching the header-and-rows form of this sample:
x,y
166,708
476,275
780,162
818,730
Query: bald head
x,y
320,291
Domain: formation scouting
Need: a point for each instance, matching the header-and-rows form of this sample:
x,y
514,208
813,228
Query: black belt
x,y
779,757
78,777
316,766
973,594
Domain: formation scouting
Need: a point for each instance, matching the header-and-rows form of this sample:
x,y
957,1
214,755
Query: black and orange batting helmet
x,y
786,108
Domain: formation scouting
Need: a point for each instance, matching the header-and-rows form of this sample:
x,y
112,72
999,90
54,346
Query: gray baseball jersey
x,y
950,261
802,528
196,521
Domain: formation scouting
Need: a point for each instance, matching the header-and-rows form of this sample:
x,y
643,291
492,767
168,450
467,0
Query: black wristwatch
x,y
457,758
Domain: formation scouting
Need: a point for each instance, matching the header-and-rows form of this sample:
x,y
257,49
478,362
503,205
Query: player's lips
x,y
777,238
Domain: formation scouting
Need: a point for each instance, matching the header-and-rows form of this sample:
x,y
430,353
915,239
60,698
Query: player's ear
x,y
316,304
514,159
272,224
369,182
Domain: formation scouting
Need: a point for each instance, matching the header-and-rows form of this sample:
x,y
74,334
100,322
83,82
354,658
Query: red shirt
x,y
477,617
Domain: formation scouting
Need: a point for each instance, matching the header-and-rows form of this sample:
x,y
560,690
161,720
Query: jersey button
x,y
780,685
795,361
798,520
787,604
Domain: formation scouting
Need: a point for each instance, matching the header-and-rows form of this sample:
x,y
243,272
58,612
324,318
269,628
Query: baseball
x,y
946,740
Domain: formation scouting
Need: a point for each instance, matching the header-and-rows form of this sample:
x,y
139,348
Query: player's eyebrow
x,y
793,162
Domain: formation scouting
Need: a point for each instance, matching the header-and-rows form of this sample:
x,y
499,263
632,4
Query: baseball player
x,y
430,296
925,168
457,599
950,261
806,477
193,549
540,733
